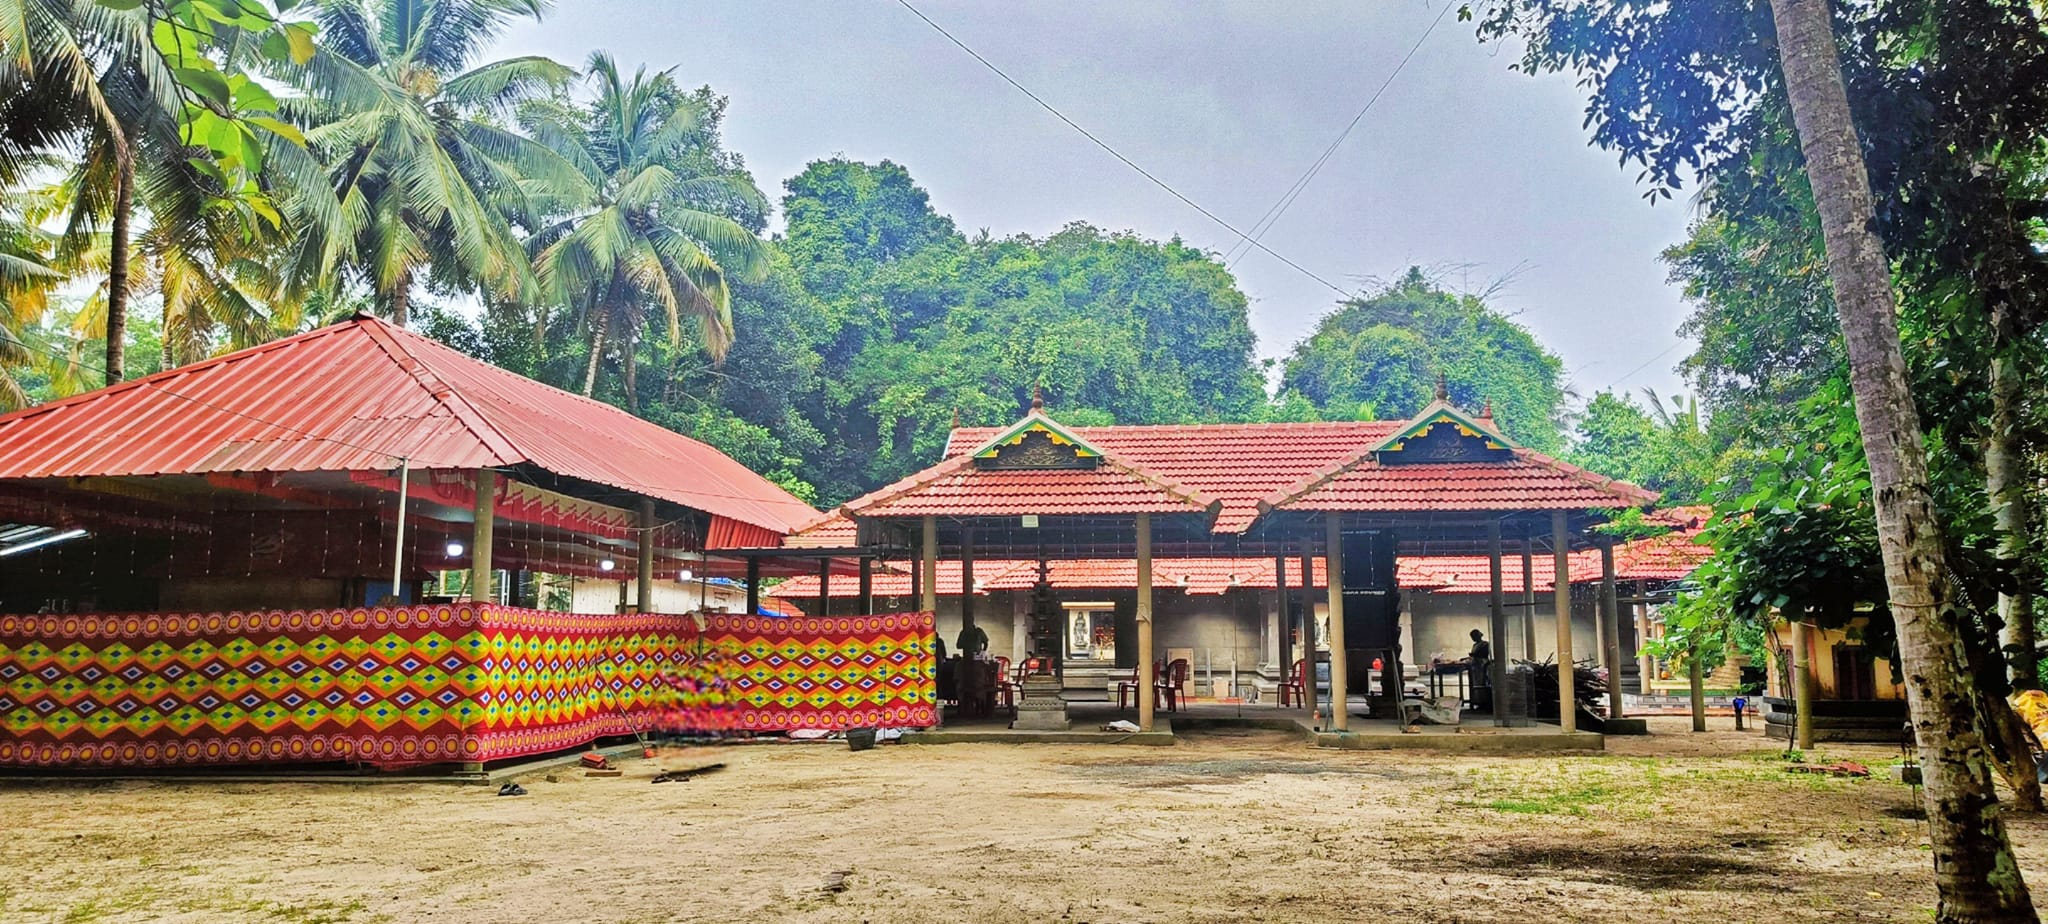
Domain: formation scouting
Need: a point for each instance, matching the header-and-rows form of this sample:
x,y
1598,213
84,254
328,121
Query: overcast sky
x,y
1461,163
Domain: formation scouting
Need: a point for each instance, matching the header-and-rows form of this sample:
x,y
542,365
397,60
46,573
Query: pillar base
x,y
1041,707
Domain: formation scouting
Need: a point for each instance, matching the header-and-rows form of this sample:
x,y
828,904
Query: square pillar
x,y
1308,628
486,511
867,586
1333,555
1610,623
1497,624
1561,593
1528,599
825,586
753,585
966,582
928,568
1146,678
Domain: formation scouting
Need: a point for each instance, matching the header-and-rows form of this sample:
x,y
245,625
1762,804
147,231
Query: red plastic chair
x,y
1296,683
1172,685
1128,686
1007,687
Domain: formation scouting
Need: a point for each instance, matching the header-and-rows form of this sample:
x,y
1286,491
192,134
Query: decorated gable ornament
x,y
1442,433
1036,442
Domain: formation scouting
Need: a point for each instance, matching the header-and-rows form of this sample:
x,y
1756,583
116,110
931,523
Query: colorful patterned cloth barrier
x,y
833,672
400,686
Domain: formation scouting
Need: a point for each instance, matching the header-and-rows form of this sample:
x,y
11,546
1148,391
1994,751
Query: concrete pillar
x,y
753,585
1610,622
1561,593
1283,641
1802,686
1333,551
1308,627
1497,621
928,566
486,511
1144,672
867,586
825,586
1645,664
643,572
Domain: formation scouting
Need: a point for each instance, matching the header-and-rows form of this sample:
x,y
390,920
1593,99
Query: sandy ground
x,y
1223,827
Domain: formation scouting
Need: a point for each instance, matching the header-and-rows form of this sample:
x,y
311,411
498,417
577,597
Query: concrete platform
x,y
1000,733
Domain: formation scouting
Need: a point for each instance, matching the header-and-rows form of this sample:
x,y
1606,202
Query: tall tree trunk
x,y
167,358
1974,869
2005,481
401,298
117,255
629,358
597,325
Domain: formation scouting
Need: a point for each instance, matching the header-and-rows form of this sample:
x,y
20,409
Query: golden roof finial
x,y
1038,397
1443,387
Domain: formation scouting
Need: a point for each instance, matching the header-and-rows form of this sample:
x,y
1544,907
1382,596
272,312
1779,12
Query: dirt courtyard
x,y
1220,827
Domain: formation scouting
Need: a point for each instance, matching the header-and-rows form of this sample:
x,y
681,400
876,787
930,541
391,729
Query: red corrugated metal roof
x,y
357,396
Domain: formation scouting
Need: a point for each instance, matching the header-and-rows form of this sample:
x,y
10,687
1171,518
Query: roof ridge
x,y
1315,479
1210,505
472,417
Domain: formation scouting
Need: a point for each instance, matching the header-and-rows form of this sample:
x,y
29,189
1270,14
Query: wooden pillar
x,y
867,585
1528,599
1696,681
928,568
966,580
1333,552
1561,593
1610,621
1144,672
1308,625
486,511
643,559
1802,686
1497,622
753,585
825,586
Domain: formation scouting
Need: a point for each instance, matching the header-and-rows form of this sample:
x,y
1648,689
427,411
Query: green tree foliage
x,y
1661,446
1379,357
642,233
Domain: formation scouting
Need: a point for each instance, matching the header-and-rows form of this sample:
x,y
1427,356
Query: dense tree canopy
x,y
1379,358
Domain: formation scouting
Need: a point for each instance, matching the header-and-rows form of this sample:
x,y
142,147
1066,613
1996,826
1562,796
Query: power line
x,y
1113,152
1645,364
1286,201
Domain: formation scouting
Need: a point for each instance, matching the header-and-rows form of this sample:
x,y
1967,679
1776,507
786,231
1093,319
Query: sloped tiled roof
x,y
1237,464
957,486
1528,481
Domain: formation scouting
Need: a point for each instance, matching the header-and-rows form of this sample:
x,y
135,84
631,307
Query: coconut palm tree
x,y
1975,873
85,77
641,239
414,179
